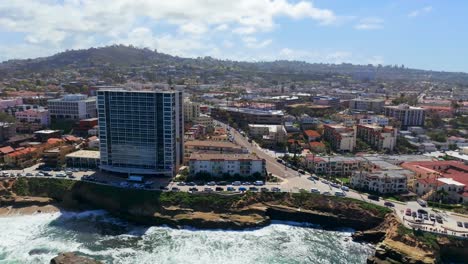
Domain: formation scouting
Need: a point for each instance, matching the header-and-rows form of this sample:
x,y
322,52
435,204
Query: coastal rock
x,y
72,258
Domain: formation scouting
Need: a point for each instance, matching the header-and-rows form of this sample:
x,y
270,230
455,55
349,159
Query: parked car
x,y
373,197
211,183
408,212
246,183
193,189
242,189
275,189
389,204
314,190
414,214
340,194
264,189
422,202
29,174
219,189
253,189
190,184
327,193
432,217
301,171
345,188
181,183
236,183
231,189
459,224
175,189
208,189
259,183
60,175
465,224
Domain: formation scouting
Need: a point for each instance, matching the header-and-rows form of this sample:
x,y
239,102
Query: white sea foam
x,y
96,234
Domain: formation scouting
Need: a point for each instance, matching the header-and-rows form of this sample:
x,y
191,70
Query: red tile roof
x,y
54,140
22,152
312,133
6,150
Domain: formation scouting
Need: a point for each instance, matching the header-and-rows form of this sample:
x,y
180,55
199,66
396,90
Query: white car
x,y
340,194
236,183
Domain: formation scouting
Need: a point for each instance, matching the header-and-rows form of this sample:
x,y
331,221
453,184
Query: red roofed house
x,y
440,180
318,147
21,157
4,151
312,135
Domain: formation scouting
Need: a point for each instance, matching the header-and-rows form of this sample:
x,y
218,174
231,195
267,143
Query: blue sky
x,y
417,33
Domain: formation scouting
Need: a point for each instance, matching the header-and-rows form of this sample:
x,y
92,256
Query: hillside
x,y
124,58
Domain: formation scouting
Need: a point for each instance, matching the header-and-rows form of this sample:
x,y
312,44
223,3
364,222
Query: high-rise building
x,y
407,115
191,110
141,132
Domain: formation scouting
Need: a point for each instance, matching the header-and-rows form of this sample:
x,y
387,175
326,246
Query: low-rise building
x,y
312,135
37,116
212,147
244,116
206,121
380,138
366,105
341,138
83,159
72,107
383,182
55,157
333,165
219,165
270,135
376,119
44,135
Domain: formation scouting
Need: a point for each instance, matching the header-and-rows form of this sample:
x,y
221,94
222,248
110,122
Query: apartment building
x,y
334,165
333,102
72,107
141,131
218,165
341,138
36,116
191,110
211,146
376,119
270,134
383,182
366,105
406,115
379,138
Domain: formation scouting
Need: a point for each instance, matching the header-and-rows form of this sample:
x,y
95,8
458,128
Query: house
x,y
312,135
21,157
317,147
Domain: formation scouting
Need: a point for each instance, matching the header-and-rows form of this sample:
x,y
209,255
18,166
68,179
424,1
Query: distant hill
x,y
122,57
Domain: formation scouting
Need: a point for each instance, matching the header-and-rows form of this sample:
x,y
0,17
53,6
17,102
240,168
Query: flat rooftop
x,y
254,111
209,156
211,143
90,154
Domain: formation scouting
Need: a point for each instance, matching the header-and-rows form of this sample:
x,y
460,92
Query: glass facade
x,y
140,131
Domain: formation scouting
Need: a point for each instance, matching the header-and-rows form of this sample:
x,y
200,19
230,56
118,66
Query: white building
x,y
366,105
72,107
269,133
191,110
341,138
37,116
394,181
204,120
379,120
218,165
407,115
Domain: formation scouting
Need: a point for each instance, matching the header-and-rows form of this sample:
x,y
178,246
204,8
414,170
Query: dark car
x,y
253,189
193,189
175,189
190,184
373,197
219,189
389,204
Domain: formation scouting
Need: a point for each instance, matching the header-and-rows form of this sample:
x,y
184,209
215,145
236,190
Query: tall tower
x,y
141,132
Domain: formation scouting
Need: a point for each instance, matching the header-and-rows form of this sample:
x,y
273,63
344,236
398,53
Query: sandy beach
x,y
29,210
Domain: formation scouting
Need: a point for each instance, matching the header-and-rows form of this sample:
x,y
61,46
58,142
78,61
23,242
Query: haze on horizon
x,y
418,34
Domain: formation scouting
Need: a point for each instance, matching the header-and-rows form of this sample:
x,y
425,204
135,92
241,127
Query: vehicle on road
x,y
275,189
439,219
373,197
164,188
60,175
246,183
181,183
259,183
253,189
408,212
327,193
71,176
264,189
389,204
193,189
422,211
28,174
279,160
211,183
315,190
222,183
414,214
231,189
422,203
39,174
175,189
301,171
465,224
190,184
459,224
432,217
345,188
242,189
236,183
340,194
219,189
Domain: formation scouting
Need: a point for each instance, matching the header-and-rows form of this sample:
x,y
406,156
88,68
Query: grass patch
x,y
53,188
426,238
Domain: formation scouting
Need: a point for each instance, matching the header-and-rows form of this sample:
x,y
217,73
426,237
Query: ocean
x,y
38,238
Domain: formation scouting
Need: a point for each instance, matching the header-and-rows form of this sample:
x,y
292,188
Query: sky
x,y
419,34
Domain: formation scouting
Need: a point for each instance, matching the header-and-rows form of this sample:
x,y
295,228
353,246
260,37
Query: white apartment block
x,y
394,181
72,107
407,115
218,165
366,105
36,116
378,120
271,133
380,138
341,138
204,120
191,110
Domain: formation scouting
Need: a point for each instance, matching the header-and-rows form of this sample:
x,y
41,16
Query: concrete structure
x,y
44,135
376,119
55,157
383,182
341,138
7,130
366,105
406,115
210,146
206,121
270,134
141,132
37,116
380,138
191,110
334,165
72,107
245,116
83,159
326,100
218,165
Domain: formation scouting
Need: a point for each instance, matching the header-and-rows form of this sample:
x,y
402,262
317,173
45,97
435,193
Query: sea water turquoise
x,y
38,238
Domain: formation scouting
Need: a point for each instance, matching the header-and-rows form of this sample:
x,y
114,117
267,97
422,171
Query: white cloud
x,y
418,12
193,28
369,23
253,43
